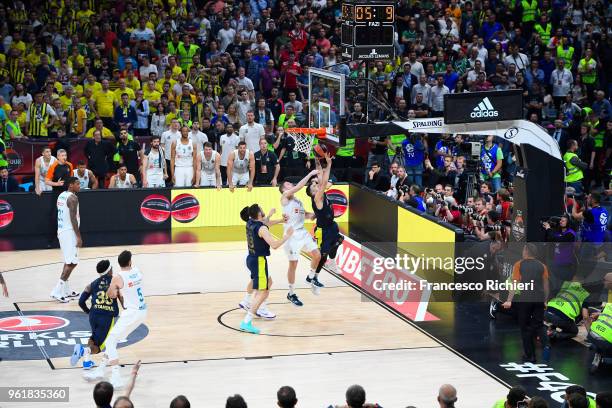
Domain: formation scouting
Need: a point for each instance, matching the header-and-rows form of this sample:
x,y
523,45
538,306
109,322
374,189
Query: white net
x,y
304,138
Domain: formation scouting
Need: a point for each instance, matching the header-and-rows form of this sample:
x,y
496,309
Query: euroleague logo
x,y
6,214
24,335
156,208
338,201
32,323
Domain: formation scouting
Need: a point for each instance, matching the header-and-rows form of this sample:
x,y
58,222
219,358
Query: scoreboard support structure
x,y
368,30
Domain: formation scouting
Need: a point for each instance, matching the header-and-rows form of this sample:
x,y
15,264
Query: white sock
x,y
58,291
103,364
311,274
263,306
247,298
292,289
87,354
248,317
67,290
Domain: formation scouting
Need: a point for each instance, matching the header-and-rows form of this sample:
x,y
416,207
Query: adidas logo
x,y
484,110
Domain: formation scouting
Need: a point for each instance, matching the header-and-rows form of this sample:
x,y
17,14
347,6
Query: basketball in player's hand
x,y
321,149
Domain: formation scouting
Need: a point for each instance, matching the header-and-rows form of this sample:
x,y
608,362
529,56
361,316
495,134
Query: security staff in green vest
x,y
515,395
566,52
12,130
598,132
574,167
565,308
528,17
174,44
3,160
344,161
600,329
544,28
587,67
576,389
186,51
287,116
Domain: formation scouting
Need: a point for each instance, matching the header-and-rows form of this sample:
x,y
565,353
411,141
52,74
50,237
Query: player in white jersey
x,y
241,167
208,171
41,166
301,240
167,138
85,176
126,283
154,169
183,160
69,236
122,179
228,142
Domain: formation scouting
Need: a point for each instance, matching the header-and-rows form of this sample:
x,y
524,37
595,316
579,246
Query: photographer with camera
x,y
446,210
402,182
490,223
414,147
412,196
557,229
445,175
491,158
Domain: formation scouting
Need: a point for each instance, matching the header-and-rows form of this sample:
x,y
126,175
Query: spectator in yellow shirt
x,y
99,125
131,81
76,87
105,105
167,78
66,98
92,84
152,95
77,119
123,89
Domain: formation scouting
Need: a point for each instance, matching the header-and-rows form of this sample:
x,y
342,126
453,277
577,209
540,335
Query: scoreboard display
x,y
368,30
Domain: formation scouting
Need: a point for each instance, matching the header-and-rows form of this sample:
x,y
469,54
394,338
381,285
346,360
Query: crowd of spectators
x,y
231,72
96,68
355,397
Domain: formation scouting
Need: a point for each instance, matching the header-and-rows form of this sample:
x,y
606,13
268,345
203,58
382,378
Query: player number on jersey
x,y
103,299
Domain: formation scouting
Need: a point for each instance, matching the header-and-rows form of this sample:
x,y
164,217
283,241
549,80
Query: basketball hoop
x,y
304,137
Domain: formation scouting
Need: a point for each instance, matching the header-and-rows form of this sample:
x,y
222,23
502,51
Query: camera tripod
x,y
471,186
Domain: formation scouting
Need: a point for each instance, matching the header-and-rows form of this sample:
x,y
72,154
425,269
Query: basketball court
x,y
191,344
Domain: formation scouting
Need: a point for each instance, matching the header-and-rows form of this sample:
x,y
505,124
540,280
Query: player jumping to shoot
x,y
327,231
294,215
259,241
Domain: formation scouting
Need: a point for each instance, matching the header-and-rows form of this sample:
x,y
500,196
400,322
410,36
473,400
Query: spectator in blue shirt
x,y
450,77
124,57
489,28
601,107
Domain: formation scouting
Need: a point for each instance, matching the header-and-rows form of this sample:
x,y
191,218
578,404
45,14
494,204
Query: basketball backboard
x,y
326,102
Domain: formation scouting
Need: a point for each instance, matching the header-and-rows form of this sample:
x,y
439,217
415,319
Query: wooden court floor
x,y
193,345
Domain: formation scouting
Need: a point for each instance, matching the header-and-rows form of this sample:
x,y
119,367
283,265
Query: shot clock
x,y
368,30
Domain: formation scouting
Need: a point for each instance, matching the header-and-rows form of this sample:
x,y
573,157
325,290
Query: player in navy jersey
x,y
102,314
327,231
259,241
